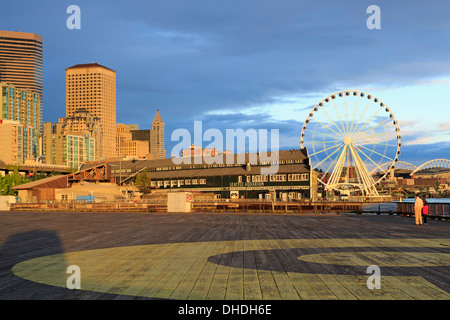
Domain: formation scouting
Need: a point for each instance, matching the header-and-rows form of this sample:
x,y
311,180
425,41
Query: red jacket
x,y
425,207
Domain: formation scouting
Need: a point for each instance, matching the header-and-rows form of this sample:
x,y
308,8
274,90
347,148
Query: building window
x,y
300,177
278,177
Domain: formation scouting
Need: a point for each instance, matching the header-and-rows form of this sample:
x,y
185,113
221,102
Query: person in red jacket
x,y
425,210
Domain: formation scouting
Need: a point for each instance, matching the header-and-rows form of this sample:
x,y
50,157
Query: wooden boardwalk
x,y
222,256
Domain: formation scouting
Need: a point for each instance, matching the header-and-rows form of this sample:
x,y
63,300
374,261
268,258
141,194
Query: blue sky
x,y
252,64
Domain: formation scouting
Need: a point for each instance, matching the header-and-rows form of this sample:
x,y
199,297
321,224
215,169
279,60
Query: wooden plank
x,y
259,255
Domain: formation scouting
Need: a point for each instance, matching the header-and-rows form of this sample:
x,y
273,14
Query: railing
x,y
117,206
160,205
436,210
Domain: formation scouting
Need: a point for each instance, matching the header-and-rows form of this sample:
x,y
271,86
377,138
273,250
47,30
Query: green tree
x,y
143,179
143,182
11,180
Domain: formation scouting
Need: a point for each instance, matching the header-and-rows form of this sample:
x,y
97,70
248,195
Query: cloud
x,y
221,62
420,153
444,127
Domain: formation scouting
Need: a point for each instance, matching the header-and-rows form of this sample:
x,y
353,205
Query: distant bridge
x,y
26,169
432,164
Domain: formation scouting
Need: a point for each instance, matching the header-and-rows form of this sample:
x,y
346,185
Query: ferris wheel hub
x,y
347,140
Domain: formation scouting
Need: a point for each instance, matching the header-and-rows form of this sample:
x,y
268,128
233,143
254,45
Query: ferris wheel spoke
x,y
337,171
365,124
340,119
381,123
326,149
320,142
324,134
370,159
382,155
374,135
377,144
328,127
331,154
354,112
365,176
360,118
342,133
346,114
331,164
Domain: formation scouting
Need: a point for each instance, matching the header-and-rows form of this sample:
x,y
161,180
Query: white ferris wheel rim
x,y
348,134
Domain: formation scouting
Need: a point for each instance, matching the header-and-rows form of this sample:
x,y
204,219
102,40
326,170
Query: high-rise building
x,y
23,106
82,122
21,60
147,135
67,148
15,142
158,127
92,87
154,136
126,146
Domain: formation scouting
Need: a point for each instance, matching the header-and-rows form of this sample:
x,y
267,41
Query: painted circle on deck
x,y
214,269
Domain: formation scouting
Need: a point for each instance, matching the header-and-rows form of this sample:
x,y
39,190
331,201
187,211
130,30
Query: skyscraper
x,y
158,127
61,147
82,122
154,137
25,107
93,87
16,142
21,60
126,146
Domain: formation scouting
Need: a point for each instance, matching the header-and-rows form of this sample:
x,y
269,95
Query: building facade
x,y
239,178
197,151
16,142
147,135
23,106
92,87
158,129
83,123
154,137
67,148
21,61
126,146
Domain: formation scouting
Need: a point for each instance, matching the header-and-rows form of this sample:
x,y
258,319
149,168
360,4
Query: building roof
x,y
166,168
50,182
157,119
89,65
99,173
233,171
20,35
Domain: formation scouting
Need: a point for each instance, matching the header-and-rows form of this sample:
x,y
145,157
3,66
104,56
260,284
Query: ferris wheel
x,y
347,135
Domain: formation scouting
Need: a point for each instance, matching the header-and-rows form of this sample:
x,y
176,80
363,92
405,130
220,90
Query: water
x,y
430,200
374,208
